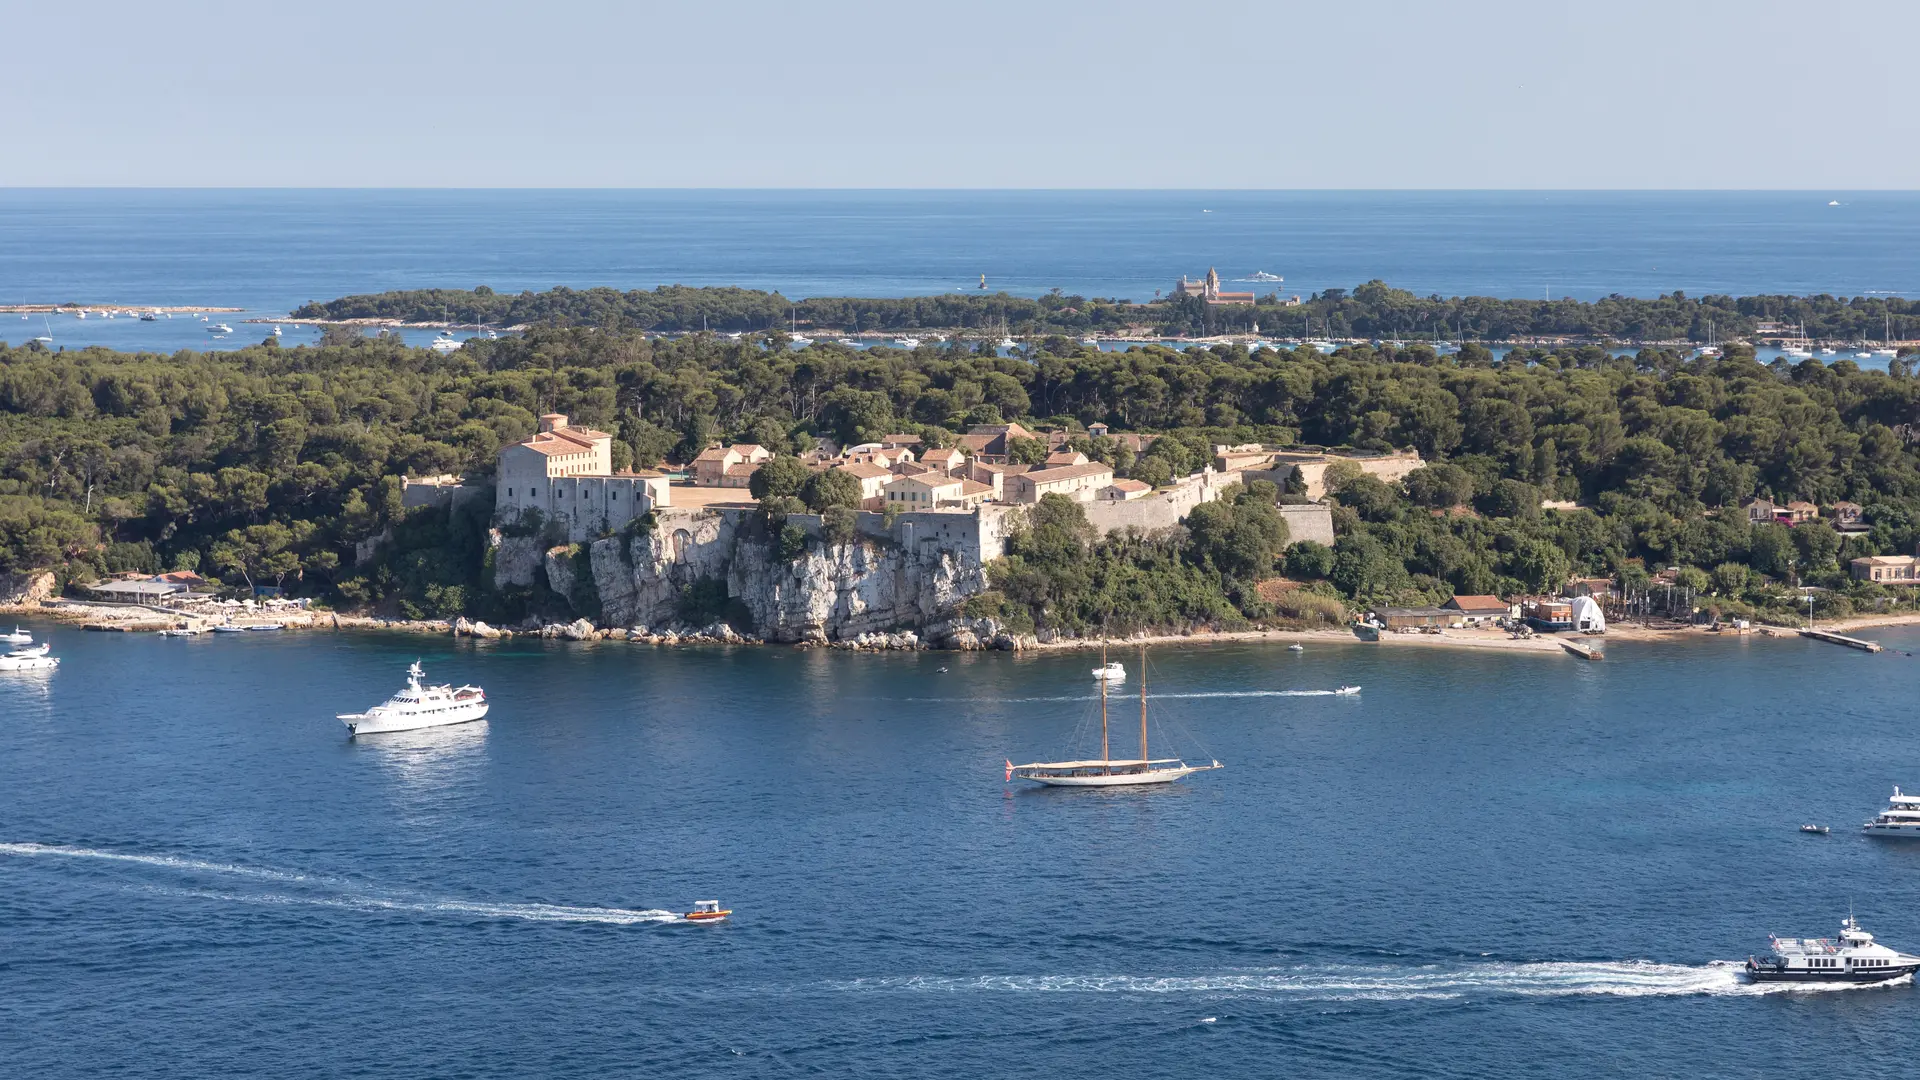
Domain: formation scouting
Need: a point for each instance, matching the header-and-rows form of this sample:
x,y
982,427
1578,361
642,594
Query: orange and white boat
x,y
707,911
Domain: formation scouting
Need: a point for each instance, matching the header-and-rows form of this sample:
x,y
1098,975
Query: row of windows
x,y
534,491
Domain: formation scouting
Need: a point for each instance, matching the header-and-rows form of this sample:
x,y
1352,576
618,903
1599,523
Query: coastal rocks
x,y
464,627
559,566
28,588
578,630
903,640
830,592
969,634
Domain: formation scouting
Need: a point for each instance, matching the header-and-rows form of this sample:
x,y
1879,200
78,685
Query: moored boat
x,y
29,658
419,706
1108,771
1853,957
18,637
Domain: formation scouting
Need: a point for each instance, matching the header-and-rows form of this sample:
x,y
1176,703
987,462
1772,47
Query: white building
x,y
566,473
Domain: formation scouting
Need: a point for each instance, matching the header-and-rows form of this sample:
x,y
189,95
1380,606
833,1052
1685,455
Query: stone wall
x,y
439,492
1163,508
1308,521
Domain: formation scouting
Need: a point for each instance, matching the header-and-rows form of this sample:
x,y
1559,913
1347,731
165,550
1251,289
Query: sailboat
x,y
1109,771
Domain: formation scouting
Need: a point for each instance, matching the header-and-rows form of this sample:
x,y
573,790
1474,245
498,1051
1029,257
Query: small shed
x,y
1415,618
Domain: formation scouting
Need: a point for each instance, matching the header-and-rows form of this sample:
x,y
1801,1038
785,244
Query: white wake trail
x,y
337,893
1368,983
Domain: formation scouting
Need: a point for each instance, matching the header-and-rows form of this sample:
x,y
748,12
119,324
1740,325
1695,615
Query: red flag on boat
x,y
1009,770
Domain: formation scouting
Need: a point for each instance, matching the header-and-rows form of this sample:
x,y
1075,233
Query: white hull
x,y
28,663
375,723
1893,832
1150,776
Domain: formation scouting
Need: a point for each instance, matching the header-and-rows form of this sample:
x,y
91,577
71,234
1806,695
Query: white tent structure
x,y
1588,616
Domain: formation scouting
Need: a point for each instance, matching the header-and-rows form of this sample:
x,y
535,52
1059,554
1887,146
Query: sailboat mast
x,y
1143,701
1105,755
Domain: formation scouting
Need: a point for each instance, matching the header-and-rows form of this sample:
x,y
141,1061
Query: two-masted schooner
x,y
1109,771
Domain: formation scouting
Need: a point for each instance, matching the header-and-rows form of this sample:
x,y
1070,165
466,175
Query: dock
x,y
1841,639
1582,649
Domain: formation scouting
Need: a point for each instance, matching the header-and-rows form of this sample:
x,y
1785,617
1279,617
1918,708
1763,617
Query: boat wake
x,y
1151,696
1371,983
340,893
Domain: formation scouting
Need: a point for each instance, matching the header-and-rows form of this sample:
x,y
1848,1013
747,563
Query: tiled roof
x,y
863,470
974,487
1133,485
1479,603
1069,472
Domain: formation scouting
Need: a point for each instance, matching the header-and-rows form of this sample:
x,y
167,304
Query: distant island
x,y
1372,311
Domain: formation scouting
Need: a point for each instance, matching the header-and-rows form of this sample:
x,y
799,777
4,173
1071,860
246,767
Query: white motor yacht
x,y
219,328
419,706
29,658
906,343
1853,957
18,637
1114,672
446,345
1899,821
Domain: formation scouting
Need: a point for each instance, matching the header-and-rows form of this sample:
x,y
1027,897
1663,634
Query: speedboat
x,y
419,706
1114,672
1296,647
707,911
1853,957
31,658
219,328
180,631
229,628
1347,691
1820,830
1899,821
906,343
18,637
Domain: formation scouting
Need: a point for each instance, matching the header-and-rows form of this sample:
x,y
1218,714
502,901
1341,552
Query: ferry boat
x,y
30,658
1109,771
1853,957
1899,821
419,706
707,911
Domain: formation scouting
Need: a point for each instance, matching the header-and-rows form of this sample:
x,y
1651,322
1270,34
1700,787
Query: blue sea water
x,y
268,251
1482,866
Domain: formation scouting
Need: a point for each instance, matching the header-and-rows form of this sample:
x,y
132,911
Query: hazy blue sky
x,y
968,93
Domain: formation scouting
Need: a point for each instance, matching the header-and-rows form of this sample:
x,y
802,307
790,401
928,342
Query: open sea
x,y
268,251
1481,866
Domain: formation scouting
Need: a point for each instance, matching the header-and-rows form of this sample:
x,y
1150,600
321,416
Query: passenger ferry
x,y
1851,958
1900,820
419,706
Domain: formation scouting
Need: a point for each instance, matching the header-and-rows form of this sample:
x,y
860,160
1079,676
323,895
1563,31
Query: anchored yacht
x,y
29,658
419,706
1900,820
1853,957
1108,771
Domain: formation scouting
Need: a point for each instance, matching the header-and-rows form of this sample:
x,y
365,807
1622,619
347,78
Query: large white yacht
x,y
1900,820
29,658
1851,958
419,706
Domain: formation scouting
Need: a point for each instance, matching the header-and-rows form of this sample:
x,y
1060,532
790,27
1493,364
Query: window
x,y
509,493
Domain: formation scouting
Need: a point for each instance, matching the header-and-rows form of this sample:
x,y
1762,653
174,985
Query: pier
x,y
1842,639
1583,649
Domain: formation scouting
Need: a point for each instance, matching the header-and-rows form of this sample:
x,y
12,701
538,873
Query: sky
x,y
962,94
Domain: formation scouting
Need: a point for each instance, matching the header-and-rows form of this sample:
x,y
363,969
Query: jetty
x,y
1585,650
1842,639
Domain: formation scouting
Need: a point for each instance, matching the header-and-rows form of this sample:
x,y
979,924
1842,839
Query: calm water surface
x,y
1481,866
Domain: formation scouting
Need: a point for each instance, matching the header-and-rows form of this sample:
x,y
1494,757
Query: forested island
x,y
1370,311
271,465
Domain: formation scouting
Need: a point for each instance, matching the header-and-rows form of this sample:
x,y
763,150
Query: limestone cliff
x,y
831,592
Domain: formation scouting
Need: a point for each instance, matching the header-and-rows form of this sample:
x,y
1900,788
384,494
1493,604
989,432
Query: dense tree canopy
x,y
268,464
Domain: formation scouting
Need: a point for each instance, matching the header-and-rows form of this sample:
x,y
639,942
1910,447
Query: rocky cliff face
x,y
830,593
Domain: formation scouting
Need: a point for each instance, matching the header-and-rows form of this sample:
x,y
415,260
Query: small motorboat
x,y
1347,691
180,631
1296,647
18,637
707,911
266,626
229,628
1114,672
1820,830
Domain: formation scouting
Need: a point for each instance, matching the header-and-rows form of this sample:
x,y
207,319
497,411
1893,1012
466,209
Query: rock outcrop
x,y
669,578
